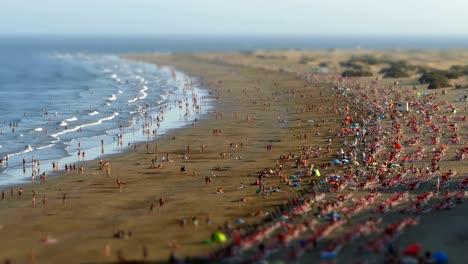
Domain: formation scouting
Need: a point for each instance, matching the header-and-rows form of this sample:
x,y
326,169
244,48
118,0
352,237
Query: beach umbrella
x,y
335,177
310,121
293,177
336,161
284,217
240,221
413,249
218,237
345,161
440,257
328,255
296,185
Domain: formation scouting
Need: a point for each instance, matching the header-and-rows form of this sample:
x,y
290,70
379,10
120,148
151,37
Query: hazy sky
x,y
234,16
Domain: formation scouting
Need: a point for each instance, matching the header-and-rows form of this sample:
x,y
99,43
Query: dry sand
x,y
244,84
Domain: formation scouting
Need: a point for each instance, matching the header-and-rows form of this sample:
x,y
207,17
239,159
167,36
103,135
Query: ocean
x,y
64,95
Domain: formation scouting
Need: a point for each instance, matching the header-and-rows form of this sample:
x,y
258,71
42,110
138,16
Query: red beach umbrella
x,y
413,249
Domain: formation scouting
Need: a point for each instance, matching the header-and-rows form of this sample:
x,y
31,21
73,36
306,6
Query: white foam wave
x,y
112,98
56,135
71,119
143,92
93,113
133,100
114,76
63,124
44,147
120,91
38,129
27,149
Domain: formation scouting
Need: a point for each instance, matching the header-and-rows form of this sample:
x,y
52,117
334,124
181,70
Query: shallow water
x,y
54,105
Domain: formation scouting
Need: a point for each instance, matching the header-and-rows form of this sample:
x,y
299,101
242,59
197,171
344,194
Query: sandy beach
x,y
268,105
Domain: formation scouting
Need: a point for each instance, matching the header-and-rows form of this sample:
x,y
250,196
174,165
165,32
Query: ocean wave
x,y
112,98
120,91
71,119
56,135
143,92
93,113
44,147
63,124
38,129
133,100
27,149
114,76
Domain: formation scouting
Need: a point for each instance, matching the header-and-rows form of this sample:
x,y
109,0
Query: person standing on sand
x,y
120,183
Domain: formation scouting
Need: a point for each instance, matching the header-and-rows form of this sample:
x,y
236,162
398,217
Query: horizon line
x,y
225,35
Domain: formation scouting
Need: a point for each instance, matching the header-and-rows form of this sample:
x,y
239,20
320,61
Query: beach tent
x,y
316,172
218,237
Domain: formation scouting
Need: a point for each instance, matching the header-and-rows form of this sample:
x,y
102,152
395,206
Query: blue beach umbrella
x,y
335,177
345,161
440,257
336,161
328,255
240,221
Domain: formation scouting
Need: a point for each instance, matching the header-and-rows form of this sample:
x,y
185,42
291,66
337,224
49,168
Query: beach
x,y
269,110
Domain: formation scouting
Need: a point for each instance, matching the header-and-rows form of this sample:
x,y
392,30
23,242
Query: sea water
x,y
55,104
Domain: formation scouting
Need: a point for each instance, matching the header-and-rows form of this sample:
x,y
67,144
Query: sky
x,y
236,17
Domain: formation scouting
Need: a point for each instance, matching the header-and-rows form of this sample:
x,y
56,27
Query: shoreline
x,y
133,134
